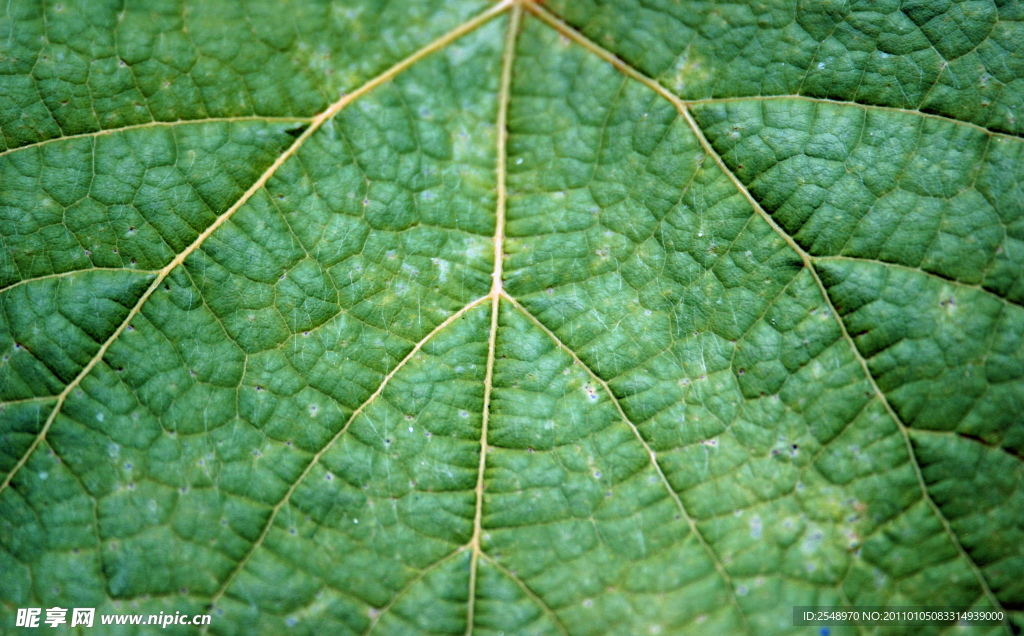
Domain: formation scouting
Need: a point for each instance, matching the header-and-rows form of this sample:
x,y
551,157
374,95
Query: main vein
x,y
495,296
316,123
808,261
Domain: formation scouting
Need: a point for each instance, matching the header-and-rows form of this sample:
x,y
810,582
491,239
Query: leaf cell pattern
x,y
578,318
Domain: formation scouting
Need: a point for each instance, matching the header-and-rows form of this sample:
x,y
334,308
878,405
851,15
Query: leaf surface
x,y
507,318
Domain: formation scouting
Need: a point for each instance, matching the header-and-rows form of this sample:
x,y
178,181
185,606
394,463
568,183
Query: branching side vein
x,y
316,458
807,259
650,452
161,124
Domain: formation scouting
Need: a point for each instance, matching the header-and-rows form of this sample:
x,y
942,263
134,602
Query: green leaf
x,y
577,318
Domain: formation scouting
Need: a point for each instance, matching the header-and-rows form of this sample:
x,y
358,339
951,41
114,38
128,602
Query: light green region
x,y
759,349
721,350
575,507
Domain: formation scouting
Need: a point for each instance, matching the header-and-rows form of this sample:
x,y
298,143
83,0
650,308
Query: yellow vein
x,y
536,599
867,107
992,446
495,294
316,458
680,105
375,618
474,542
318,121
37,398
504,95
650,451
917,270
77,271
161,124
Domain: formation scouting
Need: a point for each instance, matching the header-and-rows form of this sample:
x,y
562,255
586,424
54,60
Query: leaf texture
x,y
575,318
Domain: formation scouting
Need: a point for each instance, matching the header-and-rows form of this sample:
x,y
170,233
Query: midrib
x,y
501,128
